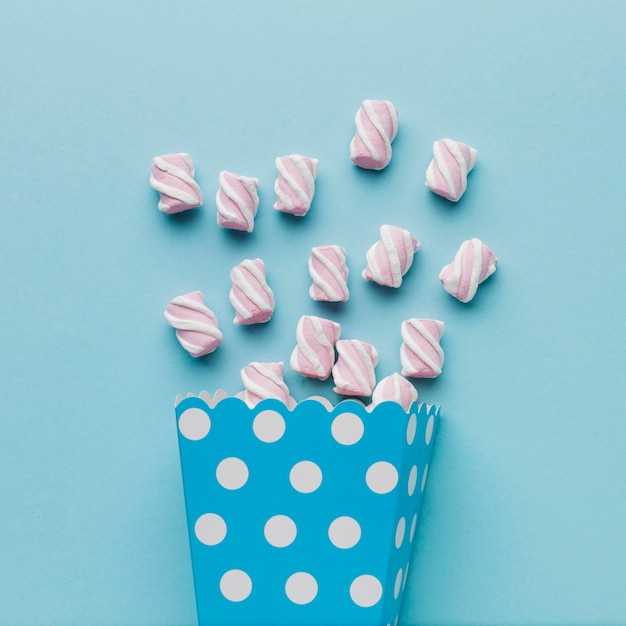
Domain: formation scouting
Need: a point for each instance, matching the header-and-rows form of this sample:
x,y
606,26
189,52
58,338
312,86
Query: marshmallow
x,y
314,354
295,184
250,295
447,172
237,201
264,380
390,258
329,272
376,127
353,373
420,354
395,388
172,176
474,262
196,325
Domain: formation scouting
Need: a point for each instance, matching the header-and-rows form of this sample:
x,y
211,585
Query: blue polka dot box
x,y
302,516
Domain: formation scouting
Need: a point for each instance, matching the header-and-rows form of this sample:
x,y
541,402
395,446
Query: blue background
x,y
525,509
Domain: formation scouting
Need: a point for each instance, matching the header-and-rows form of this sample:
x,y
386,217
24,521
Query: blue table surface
x,y
525,509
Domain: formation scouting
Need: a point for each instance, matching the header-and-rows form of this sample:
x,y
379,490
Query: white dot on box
x,y
429,429
400,529
366,590
305,476
235,585
194,424
406,575
344,532
411,428
280,531
413,525
210,529
398,584
301,588
381,477
412,480
269,426
424,476
347,429
232,473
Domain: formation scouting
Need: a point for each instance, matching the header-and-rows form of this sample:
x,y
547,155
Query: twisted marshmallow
x,y
353,373
237,201
376,127
473,263
250,294
264,380
397,389
196,325
329,272
446,174
420,354
390,258
314,354
295,184
172,176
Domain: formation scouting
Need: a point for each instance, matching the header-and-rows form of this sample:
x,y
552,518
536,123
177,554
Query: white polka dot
x,y
395,621
301,588
344,532
381,477
406,575
400,529
305,476
398,584
411,427
269,426
210,529
280,531
232,473
412,480
424,476
235,585
412,531
347,429
366,590
429,429
194,424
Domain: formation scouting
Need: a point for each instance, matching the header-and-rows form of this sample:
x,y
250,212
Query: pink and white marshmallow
x,y
262,381
473,263
329,272
295,184
421,354
390,258
447,173
196,325
314,354
376,127
237,201
395,388
250,295
353,373
173,177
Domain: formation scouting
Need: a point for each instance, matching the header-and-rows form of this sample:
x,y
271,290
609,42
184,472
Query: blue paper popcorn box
x,y
303,516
